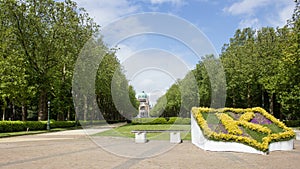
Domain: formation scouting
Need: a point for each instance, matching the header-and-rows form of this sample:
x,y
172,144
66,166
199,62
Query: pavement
x,y
79,149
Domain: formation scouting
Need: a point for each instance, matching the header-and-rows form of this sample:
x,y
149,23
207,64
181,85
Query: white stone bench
x,y
297,132
141,135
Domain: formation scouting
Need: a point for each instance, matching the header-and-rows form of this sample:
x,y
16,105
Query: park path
x,y
75,149
61,135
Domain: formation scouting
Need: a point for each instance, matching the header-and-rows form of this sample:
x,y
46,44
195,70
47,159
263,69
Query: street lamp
x,y
48,122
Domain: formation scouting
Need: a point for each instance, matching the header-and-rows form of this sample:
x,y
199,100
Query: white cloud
x,y
256,13
153,70
252,23
283,15
123,29
173,2
246,6
105,11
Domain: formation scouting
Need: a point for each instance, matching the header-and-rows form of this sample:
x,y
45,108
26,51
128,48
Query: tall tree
x,y
289,66
50,34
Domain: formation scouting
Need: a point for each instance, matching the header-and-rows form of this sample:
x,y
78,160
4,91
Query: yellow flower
x,y
247,116
234,132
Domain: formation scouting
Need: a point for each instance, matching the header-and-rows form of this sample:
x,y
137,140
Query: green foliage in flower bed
x,y
161,120
253,126
15,126
274,128
256,135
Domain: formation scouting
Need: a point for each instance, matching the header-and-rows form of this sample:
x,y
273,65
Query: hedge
x,y
14,126
179,120
292,123
161,120
90,122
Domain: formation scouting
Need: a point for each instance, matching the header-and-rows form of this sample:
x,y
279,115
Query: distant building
x,y
144,107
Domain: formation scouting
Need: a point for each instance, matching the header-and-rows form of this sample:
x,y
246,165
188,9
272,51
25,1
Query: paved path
x,y
74,149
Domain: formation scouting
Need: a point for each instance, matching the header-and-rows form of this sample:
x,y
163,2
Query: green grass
x,y
258,136
274,128
211,118
125,131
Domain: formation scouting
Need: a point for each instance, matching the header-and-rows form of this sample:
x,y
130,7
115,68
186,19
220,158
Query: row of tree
x,y
262,68
40,42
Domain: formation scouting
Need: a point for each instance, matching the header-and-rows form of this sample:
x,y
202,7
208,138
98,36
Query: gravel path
x,y
74,149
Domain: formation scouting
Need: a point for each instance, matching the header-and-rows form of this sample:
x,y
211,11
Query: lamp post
x,y
48,122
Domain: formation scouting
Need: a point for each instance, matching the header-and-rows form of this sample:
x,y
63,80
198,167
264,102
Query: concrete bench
x,y
141,135
297,132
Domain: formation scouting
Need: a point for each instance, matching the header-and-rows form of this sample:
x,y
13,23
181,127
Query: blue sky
x,y
217,20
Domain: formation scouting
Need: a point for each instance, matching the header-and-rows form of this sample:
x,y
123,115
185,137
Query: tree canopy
x,y
262,68
40,44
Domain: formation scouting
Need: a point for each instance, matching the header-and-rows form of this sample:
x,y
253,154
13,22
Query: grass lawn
x,y
125,131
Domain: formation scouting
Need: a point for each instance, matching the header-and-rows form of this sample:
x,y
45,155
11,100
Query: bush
x,y
62,124
172,120
159,120
90,122
14,126
179,120
183,121
292,123
36,125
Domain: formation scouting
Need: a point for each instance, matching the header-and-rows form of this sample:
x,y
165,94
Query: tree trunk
x,y
263,98
271,101
68,115
42,114
13,110
85,108
3,115
60,116
280,112
233,100
24,112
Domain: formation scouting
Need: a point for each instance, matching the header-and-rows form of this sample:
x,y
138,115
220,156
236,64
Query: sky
x,y
153,58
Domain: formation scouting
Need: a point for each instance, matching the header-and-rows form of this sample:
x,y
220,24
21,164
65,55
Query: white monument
x,y
144,107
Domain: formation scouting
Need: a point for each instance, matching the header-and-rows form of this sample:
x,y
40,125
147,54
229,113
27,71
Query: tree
x,y
240,63
15,86
115,98
289,66
45,32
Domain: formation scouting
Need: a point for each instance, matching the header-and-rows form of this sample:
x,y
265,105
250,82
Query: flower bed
x,y
252,127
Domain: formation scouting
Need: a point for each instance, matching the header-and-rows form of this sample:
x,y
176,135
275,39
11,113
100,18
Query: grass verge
x,y
125,131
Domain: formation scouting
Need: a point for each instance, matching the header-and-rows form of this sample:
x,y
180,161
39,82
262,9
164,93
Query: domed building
x,y
144,107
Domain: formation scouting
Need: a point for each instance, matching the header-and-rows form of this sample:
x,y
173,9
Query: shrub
x,y
159,120
172,120
179,120
90,122
14,126
62,124
36,125
292,123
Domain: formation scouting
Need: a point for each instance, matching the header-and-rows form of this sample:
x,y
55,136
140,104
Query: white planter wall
x,y
199,140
